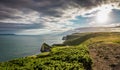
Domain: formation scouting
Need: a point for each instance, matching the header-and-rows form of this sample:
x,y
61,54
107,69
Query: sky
x,y
34,17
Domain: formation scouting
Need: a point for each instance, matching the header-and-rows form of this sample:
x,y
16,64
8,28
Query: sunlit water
x,y
12,46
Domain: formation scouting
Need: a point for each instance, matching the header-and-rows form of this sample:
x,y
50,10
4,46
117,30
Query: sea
x,y
17,46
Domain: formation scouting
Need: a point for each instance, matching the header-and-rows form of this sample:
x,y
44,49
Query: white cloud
x,y
53,23
95,24
25,18
41,31
33,32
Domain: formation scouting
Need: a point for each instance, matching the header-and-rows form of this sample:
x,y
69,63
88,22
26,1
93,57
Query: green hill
x,y
77,54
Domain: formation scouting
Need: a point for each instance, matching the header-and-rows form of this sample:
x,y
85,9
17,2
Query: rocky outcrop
x,y
64,38
45,48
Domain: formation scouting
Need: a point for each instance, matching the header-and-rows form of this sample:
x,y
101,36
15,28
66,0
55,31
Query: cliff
x,y
45,48
81,51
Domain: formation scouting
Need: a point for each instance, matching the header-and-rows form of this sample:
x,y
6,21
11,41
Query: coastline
x,y
76,54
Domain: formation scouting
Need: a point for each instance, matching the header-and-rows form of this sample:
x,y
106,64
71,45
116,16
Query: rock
x,y
64,38
45,48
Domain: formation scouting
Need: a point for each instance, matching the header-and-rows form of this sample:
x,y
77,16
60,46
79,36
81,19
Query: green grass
x,y
89,38
73,56
60,58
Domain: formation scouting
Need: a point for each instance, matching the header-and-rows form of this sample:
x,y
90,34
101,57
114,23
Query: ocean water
x,y
13,46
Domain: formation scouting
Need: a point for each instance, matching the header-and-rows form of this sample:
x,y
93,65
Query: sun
x,y
102,17
103,14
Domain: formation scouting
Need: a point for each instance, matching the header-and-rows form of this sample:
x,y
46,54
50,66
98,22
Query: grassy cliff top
x,y
89,38
78,54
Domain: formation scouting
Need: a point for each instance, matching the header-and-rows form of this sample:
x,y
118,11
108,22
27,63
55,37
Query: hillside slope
x,y
103,47
82,51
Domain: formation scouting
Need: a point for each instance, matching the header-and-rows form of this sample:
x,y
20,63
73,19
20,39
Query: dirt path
x,y
105,56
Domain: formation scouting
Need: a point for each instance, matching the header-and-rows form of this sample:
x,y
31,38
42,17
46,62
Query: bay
x,y
15,46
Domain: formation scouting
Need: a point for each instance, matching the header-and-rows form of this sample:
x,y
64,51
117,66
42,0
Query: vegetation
x,y
74,55
90,38
60,58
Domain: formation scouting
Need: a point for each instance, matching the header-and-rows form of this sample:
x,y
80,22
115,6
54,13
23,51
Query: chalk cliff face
x,y
45,48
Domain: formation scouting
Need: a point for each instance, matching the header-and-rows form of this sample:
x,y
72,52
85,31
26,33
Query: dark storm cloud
x,y
115,14
15,26
11,9
16,3
88,4
46,7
